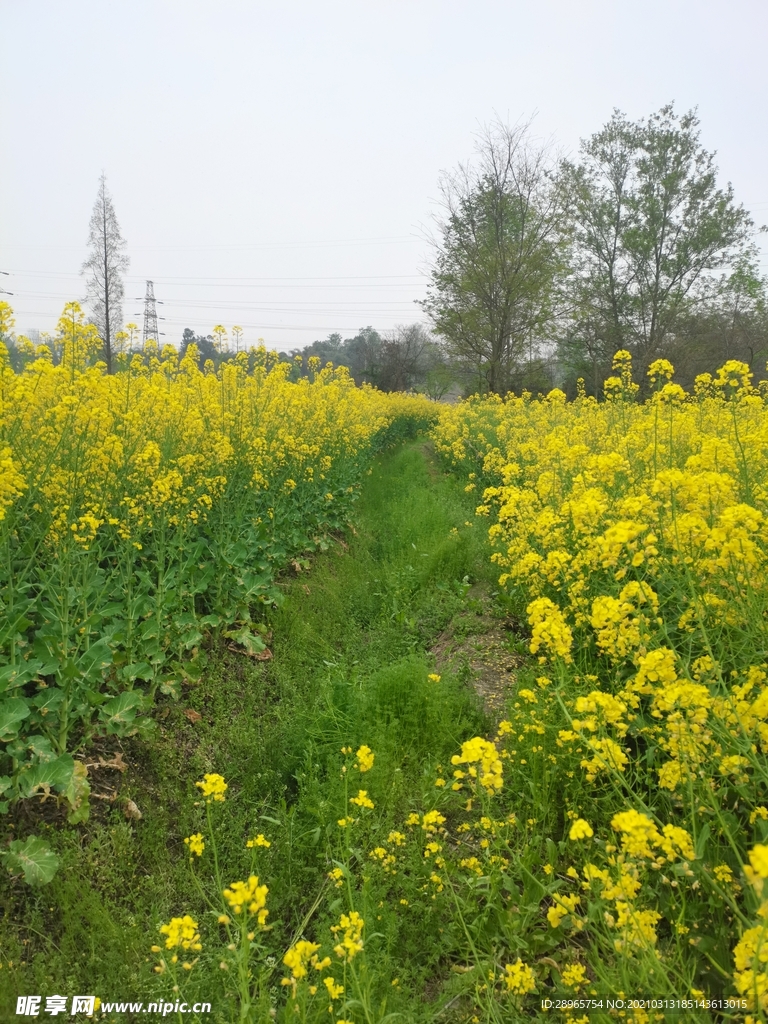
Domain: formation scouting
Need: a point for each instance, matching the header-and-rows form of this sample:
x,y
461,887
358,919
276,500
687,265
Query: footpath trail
x,y
407,592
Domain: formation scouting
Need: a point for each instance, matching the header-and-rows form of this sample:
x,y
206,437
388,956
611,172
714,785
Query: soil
x,y
479,642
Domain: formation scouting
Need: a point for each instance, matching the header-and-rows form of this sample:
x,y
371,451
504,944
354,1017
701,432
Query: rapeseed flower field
x,y
142,510
633,536
610,838
605,836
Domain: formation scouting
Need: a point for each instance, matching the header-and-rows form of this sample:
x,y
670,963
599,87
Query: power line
x,y
255,279
239,247
240,304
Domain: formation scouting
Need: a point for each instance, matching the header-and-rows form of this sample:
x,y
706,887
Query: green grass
x,y
350,645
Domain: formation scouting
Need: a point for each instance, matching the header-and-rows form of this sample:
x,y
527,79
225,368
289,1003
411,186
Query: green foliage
x,y
650,225
474,898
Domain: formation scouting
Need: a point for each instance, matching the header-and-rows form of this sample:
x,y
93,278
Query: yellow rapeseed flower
x,y
337,876
580,829
482,751
758,860
299,956
259,840
213,786
365,758
250,895
195,844
334,990
574,976
181,932
349,931
362,799
519,978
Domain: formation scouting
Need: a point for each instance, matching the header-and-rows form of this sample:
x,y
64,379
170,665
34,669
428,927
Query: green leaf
x,y
119,713
92,663
191,671
46,649
254,583
253,644
34,857
40,747
171,688
144,728
10,627
138,670
185,619
49,698
47,775
68,669
12,713
12,676
533,890
16,749
96,697
119,708
701,841
191,637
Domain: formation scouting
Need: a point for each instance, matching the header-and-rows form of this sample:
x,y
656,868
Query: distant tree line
x,y
408,358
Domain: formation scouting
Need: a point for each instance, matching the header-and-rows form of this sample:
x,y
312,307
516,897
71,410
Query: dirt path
x,y
478,644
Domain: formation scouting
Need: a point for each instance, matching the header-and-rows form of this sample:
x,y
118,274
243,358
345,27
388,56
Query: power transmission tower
x,y
150,317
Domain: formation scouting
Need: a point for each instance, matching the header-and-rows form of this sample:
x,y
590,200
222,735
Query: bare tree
x,y
500,254
104,268
402,357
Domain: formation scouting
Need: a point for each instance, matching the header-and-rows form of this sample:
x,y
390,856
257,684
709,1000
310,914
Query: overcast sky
x,y
276,165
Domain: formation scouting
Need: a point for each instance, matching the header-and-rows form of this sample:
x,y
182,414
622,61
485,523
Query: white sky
x,y
276,165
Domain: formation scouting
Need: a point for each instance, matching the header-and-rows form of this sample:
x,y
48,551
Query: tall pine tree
x,y
104,269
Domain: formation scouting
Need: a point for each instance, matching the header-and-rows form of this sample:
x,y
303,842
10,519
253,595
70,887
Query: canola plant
x,y
139,511
633,535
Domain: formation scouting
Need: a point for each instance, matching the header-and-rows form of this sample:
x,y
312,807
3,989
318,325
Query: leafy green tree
x,y
407,358
440,375
650,226
328,350
499,256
